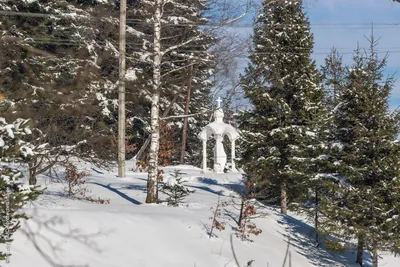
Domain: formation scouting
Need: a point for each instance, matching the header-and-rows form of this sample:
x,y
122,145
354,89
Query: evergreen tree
x,y
57,68
281,83
366,203
14,192
333,77
321,168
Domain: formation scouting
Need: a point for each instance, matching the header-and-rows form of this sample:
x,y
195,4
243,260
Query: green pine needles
x,y
281,83
324,143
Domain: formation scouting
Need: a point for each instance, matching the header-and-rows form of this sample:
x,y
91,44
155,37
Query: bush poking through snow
x,y
216,223
247,211
75,181
14,194
98,200
247,227
174,189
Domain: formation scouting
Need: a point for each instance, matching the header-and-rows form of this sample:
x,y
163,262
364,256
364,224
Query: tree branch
x,y
197,38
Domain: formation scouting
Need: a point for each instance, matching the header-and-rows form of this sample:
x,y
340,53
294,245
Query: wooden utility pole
x,y
185,122
121,90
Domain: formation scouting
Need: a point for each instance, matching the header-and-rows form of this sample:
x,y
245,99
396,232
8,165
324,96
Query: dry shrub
x,y
141,166
168,137
246,226
75,182
216,221
98,200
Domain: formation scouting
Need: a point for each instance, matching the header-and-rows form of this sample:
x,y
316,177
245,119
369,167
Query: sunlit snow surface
x,y
129,233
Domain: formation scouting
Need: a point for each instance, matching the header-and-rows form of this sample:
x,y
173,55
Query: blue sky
x,y
343,23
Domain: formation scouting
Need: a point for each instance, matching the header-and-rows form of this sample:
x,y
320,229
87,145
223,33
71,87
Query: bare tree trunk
x,y
185,122
360,249
284,198
241,211
374,254
32,174
316,218
154,120
147,142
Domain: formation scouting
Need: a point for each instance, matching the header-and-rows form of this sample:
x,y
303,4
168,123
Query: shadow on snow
x,y
116,191
302,237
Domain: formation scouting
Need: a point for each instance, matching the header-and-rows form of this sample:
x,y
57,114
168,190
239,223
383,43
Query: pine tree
x,y
281,83
57,69
333,77
14,192
321,166
366,203
60,68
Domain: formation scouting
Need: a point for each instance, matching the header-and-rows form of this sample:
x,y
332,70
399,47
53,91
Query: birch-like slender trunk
x,y
155,99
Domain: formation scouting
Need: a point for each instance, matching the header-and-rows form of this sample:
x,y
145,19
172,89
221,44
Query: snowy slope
x,y
129,233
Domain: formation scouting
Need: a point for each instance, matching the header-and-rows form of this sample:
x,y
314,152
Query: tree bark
x,y
32,175
374,254
284,198
185,122
316,217
147,142
360,249
241,211
154,120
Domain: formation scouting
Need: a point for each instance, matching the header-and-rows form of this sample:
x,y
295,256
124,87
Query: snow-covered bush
x,y
14,193
174,189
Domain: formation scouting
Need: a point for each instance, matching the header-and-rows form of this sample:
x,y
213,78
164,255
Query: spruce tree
x,y
321,169
14,149
57,68
281,83
366,203
333,73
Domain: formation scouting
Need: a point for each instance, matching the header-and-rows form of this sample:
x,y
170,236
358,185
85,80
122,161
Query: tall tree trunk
x,y
374,254
154,120
185,122
284,198
241,211
32,175
316,218
33,166
360,249
139,155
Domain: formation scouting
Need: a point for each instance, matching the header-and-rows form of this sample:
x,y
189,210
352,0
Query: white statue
x,y
217,130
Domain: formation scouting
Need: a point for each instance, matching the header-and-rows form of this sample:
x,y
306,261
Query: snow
x,y
337,145
309,133
128,232
130,74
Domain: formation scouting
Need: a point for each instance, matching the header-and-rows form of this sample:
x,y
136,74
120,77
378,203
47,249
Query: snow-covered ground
x,y
128,233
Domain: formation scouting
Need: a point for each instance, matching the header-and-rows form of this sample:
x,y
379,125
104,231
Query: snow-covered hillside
x,y
128,233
